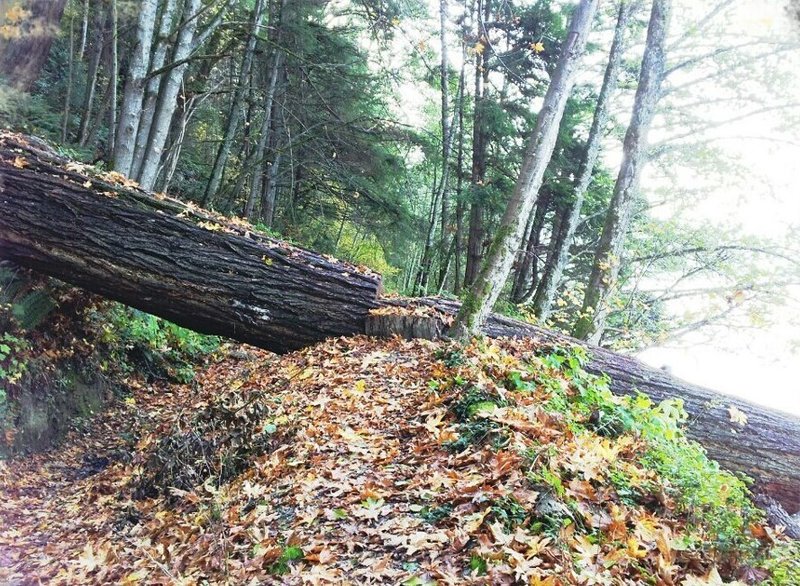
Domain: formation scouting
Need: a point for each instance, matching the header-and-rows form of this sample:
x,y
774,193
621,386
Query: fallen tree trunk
x,y
216,276
176,261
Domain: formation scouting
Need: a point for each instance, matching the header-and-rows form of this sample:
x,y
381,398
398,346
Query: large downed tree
x,y
214,275
170,259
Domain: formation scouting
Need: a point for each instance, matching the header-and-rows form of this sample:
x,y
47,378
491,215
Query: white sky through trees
x,y
754,119
759,364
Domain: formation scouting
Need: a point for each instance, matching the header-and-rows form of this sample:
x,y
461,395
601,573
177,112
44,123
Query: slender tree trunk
x,y
265,134
557,233
113,82
557,260
223,153
100,115
94,68
84,29
23,56
458,237
490,280
132,96
476,233
447,138
528,262
162,45
605,267
70,76
185,111
168,96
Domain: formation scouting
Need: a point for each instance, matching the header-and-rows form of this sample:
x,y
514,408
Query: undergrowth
x,y
668,474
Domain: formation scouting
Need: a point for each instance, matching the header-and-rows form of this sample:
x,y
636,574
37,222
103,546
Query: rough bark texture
x,y
154,254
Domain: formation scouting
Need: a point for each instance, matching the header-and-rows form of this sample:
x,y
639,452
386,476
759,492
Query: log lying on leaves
x,y
169,259
766,447
216,276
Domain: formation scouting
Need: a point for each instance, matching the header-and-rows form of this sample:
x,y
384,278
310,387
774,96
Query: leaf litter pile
x,y
362,461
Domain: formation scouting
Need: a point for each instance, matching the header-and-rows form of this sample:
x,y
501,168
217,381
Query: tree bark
x,y
133,94
168,97
162,44
215,276
165,258
605,267
489,282
557,260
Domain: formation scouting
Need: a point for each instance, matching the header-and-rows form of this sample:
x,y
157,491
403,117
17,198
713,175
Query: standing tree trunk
x,y
94,67
113,82
265,134
562,239
168,96
458,237
605,267
163,42
476,232
70,77
505,244
23,55
447,140
528,261
131,109
221,159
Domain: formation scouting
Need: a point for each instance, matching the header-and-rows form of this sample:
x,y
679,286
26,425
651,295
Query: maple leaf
x,y
134,578
635,549
737,416
537,47
711,579
90,559
210,226
524,566
585,549
20,162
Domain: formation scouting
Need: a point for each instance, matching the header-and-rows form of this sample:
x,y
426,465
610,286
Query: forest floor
x,y
362,461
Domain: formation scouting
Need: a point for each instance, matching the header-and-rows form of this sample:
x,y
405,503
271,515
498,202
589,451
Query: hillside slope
x,y
384,461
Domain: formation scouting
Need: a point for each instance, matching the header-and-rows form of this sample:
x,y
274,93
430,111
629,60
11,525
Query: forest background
x,y
392,133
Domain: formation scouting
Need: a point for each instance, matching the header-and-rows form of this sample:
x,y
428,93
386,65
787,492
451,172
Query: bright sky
x,y
762,366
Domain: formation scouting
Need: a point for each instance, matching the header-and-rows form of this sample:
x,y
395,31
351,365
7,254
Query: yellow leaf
x,y
210,226
537,47
737,416
20,162
134,577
